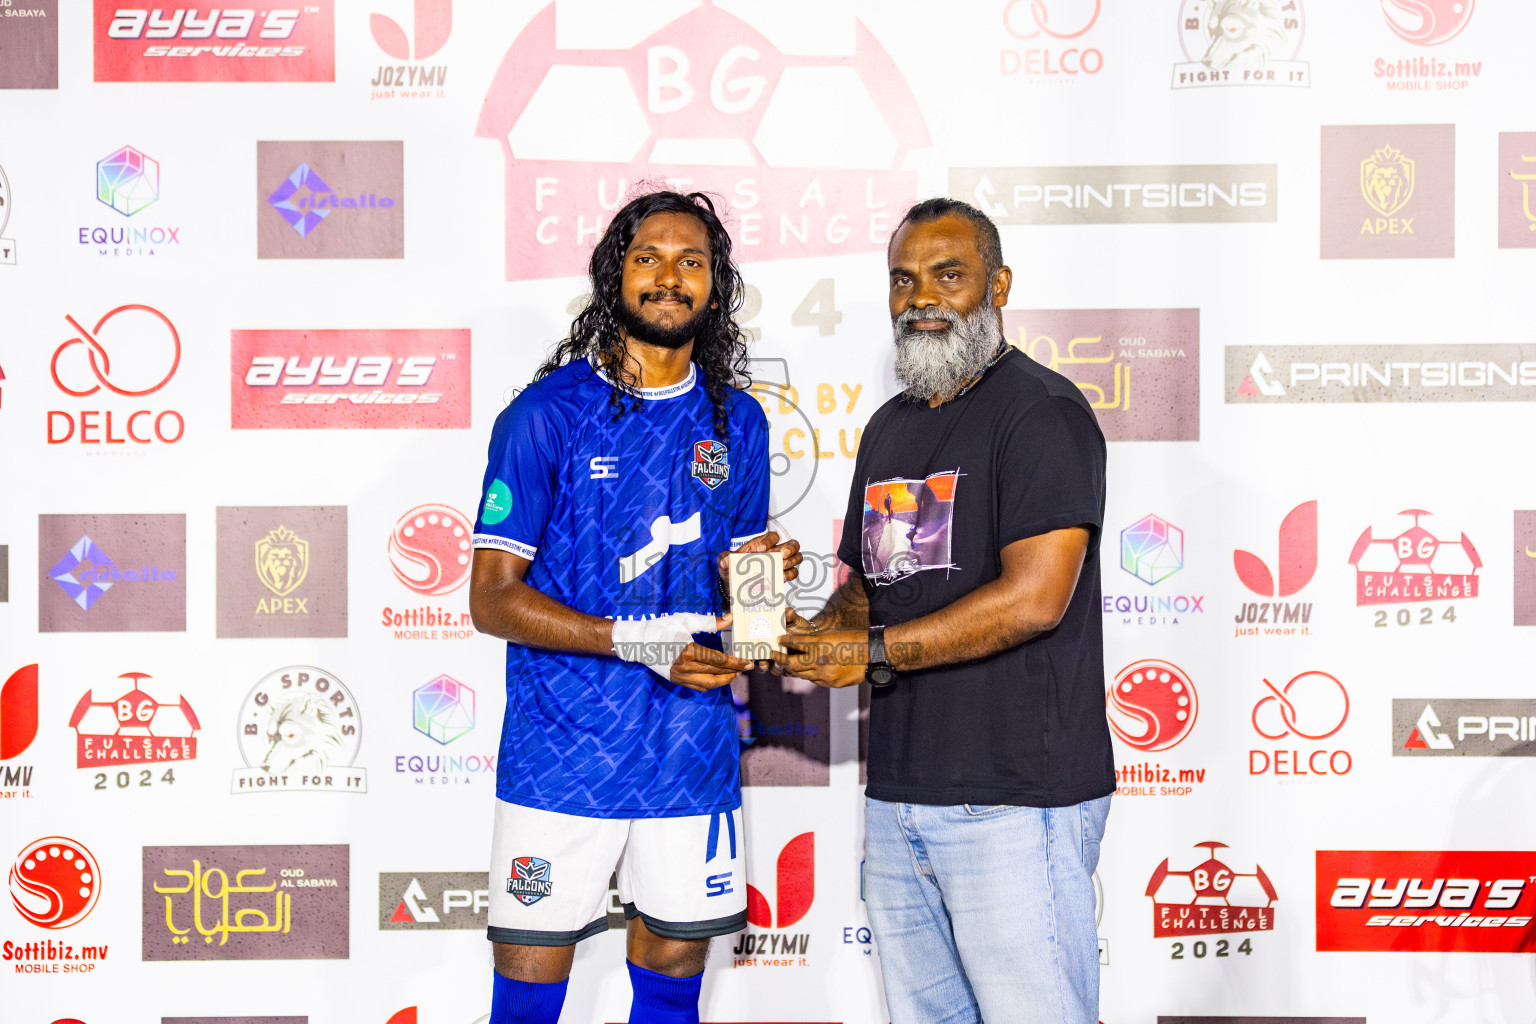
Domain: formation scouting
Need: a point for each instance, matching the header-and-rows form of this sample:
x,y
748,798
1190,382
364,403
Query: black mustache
x,y
675,296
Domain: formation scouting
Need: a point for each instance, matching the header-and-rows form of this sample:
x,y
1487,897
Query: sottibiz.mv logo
x,y
1426,901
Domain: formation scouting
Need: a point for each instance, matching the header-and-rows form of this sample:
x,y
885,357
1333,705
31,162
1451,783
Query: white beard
x,y
937,364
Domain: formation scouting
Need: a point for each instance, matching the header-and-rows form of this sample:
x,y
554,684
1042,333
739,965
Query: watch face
x,y
882,676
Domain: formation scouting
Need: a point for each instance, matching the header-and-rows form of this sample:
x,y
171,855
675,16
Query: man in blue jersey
x,y
615,483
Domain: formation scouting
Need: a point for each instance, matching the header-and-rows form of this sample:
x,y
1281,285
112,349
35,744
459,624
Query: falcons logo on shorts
x,y
710,467
530,880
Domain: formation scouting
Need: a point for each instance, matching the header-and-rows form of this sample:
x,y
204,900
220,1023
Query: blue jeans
x,y
985,913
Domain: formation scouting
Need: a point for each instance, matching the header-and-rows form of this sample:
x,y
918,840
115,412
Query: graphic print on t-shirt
x,y
907,526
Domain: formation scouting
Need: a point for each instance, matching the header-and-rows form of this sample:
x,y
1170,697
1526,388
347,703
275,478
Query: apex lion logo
x,y
301,731
282,561
1245,34
1386,180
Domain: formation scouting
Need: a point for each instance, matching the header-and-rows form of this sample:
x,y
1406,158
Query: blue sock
x,y
663,1000
526,1002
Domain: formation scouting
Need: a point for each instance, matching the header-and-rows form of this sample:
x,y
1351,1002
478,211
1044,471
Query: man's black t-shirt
x,y
937,494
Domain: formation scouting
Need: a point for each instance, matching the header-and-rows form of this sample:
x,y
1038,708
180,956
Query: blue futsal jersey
x,y
621,518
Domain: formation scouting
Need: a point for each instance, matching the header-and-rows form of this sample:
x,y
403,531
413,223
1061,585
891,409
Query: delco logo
x,y
1425,901
203,44
321,379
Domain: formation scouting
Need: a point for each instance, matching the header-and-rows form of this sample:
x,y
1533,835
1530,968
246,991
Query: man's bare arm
x,y
501,604
1038,577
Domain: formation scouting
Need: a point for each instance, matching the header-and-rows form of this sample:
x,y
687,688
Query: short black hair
x,y
987,239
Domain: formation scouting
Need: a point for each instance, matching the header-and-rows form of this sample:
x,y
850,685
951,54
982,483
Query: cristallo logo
x,y
705,97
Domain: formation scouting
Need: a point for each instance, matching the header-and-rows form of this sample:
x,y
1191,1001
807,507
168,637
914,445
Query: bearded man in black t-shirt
x,y
973,610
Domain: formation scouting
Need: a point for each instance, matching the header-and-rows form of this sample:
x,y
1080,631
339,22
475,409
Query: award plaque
x,y
758,603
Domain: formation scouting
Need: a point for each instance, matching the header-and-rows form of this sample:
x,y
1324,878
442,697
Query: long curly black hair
x,y
719,347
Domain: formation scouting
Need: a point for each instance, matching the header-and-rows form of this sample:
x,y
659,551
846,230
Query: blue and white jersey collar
x,y
682,387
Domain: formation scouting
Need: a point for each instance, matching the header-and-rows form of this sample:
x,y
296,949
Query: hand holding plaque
x,y
758,603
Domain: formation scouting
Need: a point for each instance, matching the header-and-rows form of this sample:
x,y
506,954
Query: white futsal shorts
x,y
686,878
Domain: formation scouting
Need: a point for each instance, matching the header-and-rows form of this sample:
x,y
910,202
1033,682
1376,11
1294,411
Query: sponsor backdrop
x,y
250,258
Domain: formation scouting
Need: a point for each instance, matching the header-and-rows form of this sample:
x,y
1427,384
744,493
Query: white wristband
x,y
657,643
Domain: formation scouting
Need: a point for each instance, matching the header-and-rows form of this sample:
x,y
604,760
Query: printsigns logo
x,y
1401,901
245,902
429,549
1312,707
1241,42
181,44
443,709
114,573
433,900
1138,368
300,730
1413,565
1210,898
1389,191
132,351
1517,170
29,38
330,200
133,728
282,571
706,97
530,881
1198,194
1045,25
384,379
1152,705
55,882
1308,374
1457,727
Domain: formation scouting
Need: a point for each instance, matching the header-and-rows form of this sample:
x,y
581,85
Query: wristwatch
x,y
878,672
